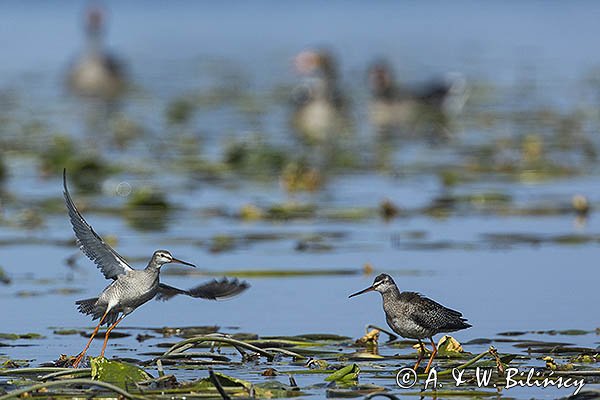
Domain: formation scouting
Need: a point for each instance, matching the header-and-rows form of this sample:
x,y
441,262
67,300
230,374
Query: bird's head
x,y
381,284
94,20
381,78
310,62
161,257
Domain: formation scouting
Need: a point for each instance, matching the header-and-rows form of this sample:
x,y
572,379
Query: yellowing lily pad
x,y
448,346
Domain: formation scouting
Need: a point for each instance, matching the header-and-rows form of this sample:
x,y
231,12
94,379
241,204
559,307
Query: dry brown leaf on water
x,y
269,372
371,338
499,364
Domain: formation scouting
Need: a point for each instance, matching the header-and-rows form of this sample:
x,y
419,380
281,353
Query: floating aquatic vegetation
x,y
180,110
4,278
186,331
307,360
268,273
17,336
125,130
255,158
87,170
65,332
13,364
388,210
3,169
147,209
221,243
116,373
580,204
29,218
250,212
313,244
289,211
449,347
58,154
298,176
345,375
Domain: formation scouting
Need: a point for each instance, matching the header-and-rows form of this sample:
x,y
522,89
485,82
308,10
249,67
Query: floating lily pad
x,y
117,373
346,374
16,336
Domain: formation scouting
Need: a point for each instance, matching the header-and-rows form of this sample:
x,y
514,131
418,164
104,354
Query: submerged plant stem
x,y
176,348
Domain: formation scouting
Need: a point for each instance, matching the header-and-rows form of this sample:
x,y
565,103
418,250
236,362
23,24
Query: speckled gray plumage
x,y
414,316
127,292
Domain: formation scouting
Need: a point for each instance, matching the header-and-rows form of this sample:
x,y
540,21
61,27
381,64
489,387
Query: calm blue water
x,y
178,48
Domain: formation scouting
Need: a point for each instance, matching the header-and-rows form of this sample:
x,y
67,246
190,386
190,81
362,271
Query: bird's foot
x,y
78,360
419,370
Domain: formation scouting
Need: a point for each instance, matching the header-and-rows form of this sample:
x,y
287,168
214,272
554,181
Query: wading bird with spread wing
x,y
130,288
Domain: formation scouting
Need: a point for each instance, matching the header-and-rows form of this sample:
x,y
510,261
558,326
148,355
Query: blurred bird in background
x,y
96,73
394,108
320,108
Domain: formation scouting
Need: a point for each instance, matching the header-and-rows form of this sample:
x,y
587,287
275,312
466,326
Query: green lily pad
x,y
117,373
15,336
226,381
349,373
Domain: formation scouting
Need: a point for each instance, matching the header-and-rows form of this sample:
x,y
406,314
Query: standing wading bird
x,y
130,287
320,109
96,73
413,316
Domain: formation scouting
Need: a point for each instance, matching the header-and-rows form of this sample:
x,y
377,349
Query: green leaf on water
x,y
357,391
4,277
226,381
345,374
15,336
237,386
117,373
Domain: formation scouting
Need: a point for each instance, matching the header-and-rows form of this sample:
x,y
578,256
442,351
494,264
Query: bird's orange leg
x,y
87,346
108,333
421,355
433,353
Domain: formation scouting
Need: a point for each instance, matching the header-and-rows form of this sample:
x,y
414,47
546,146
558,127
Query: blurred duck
x,y
319,106
96,73
394,107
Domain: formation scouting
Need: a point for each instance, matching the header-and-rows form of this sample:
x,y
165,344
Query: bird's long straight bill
x,y
369,289
175,260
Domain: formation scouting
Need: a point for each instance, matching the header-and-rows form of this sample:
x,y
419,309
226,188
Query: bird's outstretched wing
x,y
109,261
213,290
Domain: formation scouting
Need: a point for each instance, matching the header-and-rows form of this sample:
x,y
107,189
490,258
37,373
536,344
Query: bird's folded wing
x,y
109,261
213,290
434,314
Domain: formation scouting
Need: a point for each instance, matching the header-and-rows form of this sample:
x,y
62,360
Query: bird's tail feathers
x,y
88,306
91,307
457,325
